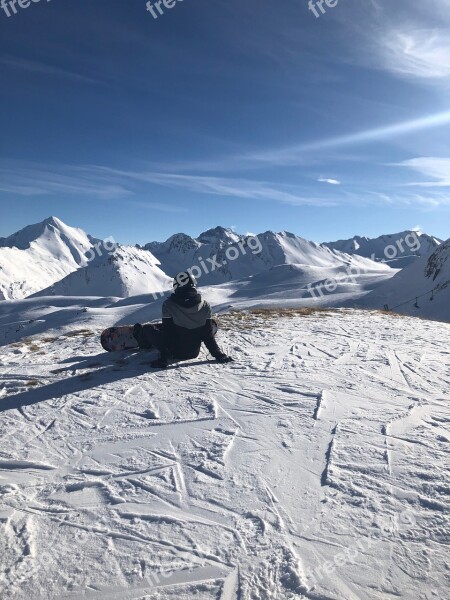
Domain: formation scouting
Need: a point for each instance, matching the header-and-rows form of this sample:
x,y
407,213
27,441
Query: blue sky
x,y
255,115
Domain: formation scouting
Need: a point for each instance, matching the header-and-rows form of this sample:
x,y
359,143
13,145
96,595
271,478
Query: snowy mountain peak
x,y
55,222
179,242
287,234
123,272
48,231
41,254
23,238
218,234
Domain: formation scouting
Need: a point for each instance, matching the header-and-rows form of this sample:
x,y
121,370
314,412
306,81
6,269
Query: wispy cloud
x,y
291,155
83,182
250,189
159,206
416,52
429,201
436,168
39,180
45,69
409,40
222,186
132,186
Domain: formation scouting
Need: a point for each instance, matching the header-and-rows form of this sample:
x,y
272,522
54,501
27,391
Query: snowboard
x,y
115,339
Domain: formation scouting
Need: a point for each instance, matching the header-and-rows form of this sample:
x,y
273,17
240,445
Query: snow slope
x,y
399,249
314,467
40,255
253,254
418,280
127,271
301,286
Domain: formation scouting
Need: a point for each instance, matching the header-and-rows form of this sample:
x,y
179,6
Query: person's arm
x,y
210,341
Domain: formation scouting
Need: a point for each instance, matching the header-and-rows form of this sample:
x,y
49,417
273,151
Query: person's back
x,y
187,322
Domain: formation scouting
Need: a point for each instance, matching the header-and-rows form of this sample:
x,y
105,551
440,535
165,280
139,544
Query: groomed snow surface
x,y
314,466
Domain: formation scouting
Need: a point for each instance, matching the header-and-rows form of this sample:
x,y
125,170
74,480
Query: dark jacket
x,y
187,322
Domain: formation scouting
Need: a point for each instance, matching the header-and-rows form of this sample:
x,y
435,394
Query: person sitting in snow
x,y
186,323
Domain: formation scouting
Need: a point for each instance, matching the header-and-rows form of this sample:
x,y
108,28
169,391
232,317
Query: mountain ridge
x,y
181,251
53,257
398,249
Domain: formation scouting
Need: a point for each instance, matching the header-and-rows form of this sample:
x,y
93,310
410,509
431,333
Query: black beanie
x,y
184,281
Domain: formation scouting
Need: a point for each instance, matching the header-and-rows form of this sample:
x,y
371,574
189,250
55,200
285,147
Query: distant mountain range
x,y
251,255
398,249
51,258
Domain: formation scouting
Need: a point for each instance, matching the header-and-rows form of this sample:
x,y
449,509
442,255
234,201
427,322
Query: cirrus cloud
x,y
436,168
416,52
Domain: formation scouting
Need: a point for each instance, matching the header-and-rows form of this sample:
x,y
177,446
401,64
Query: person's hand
x,y
161,363
223,359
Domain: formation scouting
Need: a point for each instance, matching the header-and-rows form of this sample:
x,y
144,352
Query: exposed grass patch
x,y
253,317
32,383
80,333
32,346
29,343
291,312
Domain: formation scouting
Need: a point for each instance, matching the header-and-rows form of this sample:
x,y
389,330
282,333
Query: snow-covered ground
x,y
314,466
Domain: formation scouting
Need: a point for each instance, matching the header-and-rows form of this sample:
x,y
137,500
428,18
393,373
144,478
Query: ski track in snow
x,y
313,467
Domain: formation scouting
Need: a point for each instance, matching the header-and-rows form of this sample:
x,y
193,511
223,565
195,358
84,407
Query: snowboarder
x,y
186,323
